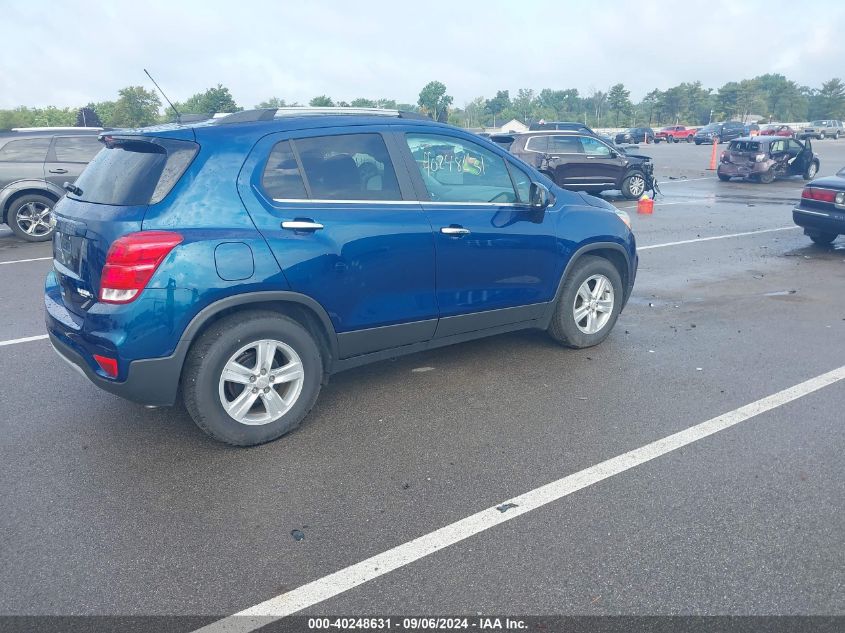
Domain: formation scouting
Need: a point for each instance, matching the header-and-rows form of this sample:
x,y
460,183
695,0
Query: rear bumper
x,y
818,221
153,382
744,171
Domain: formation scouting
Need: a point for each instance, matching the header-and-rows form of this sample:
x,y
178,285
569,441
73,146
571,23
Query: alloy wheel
x,y
636,186
36,219
261,382
593,304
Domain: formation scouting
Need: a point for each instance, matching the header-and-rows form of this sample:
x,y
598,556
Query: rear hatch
x,y
743,152
109,200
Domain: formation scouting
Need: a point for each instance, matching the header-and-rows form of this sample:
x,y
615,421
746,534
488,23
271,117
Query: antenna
x,y
178,116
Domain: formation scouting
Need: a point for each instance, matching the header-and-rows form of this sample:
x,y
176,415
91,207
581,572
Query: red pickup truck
x,y
675,134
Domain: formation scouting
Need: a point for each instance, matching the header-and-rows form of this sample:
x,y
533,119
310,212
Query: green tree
x,y
524,104
618,101
135,107
498,104
361,102
829,101
217,99
474,113
272,102
321,102
434,100
388,104
104,110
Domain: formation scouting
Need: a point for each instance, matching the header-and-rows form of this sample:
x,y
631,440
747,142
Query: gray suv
x,y
823,128
34,164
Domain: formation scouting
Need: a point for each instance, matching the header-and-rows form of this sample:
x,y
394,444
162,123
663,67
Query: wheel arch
x,y
612,251
21,188
302,309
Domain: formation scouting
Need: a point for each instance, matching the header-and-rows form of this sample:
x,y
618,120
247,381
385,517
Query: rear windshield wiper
x,y
72,188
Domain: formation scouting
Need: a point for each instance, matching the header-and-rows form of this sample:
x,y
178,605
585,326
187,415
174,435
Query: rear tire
x,y
811,171
587,272
31,218
689,139
234,342
823,239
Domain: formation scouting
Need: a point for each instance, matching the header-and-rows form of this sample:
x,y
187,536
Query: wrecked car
x,y
764,158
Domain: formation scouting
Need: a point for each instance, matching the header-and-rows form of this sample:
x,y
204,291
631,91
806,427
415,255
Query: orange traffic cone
x,y
713,156
645,205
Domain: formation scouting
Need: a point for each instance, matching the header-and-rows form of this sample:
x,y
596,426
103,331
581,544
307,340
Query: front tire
x,y
31,218
767,177
633,186
821,136
723,177
252,377
589,303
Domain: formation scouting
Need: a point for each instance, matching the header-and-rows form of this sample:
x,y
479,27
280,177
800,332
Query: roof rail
x,y
55,129
268,114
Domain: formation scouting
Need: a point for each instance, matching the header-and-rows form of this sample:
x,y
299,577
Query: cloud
x,y
70,53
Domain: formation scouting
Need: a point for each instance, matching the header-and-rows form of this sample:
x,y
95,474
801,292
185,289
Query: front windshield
x,y
819,123
709,128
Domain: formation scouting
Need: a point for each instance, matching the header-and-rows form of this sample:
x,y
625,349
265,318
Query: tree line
x,y
771,96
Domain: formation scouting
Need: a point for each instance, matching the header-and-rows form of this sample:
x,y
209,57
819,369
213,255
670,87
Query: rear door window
x,y
134,171
31,150
564,145
76,149
348,167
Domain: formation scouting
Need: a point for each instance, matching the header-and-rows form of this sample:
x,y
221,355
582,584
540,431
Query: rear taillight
x,y
724,157
821,195
131,262
108,365
758,158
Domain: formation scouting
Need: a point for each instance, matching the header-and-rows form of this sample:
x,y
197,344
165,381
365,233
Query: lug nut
x,y
266,389
255,390
253,378
263,371
272,378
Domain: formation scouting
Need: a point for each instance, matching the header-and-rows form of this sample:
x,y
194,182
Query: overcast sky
x,y
68,53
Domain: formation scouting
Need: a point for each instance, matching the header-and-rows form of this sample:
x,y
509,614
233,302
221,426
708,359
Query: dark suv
x,y
237,263
635,135
585,163
34,164
719,132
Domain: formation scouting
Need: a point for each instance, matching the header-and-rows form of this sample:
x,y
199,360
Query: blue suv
x,y
238,262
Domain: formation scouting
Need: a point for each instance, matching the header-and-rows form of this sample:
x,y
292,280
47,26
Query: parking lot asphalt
x,y
110,508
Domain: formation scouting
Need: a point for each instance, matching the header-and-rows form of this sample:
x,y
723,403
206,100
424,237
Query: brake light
x,y
108,365
724,157
821,195
131,262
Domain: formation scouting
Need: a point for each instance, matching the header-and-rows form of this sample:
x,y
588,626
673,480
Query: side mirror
x,y
614,154
540,196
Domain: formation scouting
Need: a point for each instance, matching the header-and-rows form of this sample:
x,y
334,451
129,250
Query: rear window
x,y
745,146
131,172
32,150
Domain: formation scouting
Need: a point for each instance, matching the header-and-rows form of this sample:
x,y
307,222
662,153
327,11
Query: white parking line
x,y
340,581
27,339
21,261
677,180
716,237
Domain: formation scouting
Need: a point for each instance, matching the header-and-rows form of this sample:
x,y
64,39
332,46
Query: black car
x,y
821,212
583,162
720,132
635,135
34,164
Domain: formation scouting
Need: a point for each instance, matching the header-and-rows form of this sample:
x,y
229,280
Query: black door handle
x,y
58,171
